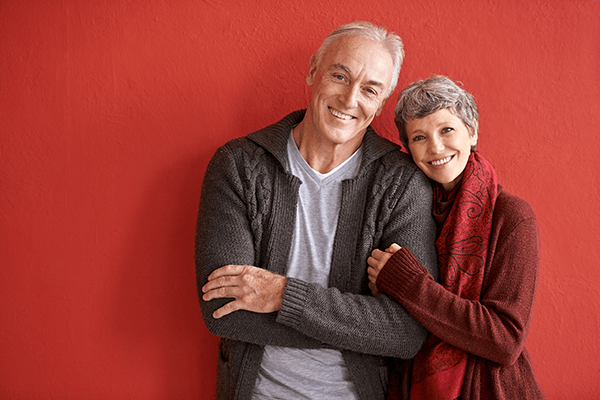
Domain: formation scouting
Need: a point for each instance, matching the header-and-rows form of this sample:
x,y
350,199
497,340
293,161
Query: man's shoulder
x,y
277,133
399,163
272,138
400,158
378,148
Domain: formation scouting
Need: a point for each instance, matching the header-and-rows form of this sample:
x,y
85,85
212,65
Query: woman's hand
x,y
376,262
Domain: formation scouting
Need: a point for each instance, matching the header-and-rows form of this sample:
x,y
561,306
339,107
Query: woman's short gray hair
x,y
424,97
390,41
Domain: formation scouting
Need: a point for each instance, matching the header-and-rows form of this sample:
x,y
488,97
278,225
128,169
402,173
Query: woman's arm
x,y
496,327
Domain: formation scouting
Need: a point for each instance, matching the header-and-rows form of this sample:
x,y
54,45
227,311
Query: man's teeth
x,y
442,161
340,115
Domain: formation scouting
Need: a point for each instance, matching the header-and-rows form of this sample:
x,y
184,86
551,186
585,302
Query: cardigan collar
x,y
274,139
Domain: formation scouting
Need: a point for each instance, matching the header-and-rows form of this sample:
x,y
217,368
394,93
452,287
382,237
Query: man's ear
x,y
312,69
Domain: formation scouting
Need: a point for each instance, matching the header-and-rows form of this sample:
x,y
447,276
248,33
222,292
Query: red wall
x,y
110,111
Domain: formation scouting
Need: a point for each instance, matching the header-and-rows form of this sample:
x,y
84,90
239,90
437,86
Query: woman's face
x,y
440,145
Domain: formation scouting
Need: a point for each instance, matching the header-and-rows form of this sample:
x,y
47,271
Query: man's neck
x,y
322,155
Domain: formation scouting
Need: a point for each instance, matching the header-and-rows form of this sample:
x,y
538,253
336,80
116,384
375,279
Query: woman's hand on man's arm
x,y
376,262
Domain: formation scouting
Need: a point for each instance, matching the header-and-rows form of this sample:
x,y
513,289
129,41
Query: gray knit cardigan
x,y
246,214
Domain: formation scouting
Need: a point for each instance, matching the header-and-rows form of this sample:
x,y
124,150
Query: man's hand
x,y
376,262
254,289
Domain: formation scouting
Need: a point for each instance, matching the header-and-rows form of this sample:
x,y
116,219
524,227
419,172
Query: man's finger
x,y
227,309
223,281
222,292
227,270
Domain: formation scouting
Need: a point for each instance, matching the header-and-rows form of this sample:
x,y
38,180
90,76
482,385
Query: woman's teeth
x,y
442,161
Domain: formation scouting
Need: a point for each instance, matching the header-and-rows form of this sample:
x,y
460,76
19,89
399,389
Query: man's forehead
x,y
354,52
350,43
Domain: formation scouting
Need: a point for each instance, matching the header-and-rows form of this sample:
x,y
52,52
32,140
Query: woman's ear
x,y
473,135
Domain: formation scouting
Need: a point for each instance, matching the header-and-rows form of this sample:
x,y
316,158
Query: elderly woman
x,y
479,314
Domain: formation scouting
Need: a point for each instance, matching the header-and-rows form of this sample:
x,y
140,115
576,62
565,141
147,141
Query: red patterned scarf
x,y
464,218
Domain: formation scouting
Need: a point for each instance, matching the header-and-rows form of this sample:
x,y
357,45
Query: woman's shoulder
x,y
512,210
510,202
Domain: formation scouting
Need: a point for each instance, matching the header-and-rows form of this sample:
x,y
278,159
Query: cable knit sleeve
x,y
346,319
496,327
225,235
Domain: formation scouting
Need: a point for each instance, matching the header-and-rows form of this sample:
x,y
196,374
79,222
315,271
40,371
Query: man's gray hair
x,y
424,97
390,41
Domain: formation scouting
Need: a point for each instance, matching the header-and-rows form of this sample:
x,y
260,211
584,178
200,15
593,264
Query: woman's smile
x,y
442,161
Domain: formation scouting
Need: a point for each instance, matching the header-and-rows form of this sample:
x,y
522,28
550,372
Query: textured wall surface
x,y
110,111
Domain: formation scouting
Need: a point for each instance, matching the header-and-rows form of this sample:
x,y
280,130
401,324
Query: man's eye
x,y
371,91
338,77
446,130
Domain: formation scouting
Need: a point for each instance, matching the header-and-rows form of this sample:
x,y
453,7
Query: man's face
x,y
349,89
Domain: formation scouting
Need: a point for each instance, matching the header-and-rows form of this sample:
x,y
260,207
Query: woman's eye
x,y
446,130
417,138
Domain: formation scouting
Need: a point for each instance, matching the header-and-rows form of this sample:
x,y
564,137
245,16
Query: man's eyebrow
x,y
376,83
342,67
347,70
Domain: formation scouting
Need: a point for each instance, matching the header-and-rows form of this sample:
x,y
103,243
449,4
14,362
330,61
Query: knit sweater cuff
x,y
399,273
293,302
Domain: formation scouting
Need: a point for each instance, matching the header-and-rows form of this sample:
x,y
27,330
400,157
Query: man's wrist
x,y
293,302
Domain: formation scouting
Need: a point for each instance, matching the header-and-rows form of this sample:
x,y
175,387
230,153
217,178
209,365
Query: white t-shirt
x,y
288,373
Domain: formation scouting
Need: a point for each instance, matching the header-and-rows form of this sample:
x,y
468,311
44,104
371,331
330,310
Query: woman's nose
x,y
436,145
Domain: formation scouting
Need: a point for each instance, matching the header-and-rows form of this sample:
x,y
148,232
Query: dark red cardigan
x,y
494,329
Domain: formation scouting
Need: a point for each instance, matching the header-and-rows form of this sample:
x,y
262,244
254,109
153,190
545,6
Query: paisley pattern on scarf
x,y
462,244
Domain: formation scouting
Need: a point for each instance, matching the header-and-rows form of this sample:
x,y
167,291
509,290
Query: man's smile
x,y
340,115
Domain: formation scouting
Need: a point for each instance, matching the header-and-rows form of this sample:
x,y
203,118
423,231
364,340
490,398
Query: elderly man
x,y
288,217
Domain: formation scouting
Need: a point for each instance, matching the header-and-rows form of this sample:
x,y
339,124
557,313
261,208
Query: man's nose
x,y
350,96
